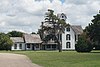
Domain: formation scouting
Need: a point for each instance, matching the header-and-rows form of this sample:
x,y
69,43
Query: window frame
x,y
48,46
15,46
20,46
28,46
68,44
68,29
68,37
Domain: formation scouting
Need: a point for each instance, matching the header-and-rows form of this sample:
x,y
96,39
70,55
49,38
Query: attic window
x,y
62,16
68,29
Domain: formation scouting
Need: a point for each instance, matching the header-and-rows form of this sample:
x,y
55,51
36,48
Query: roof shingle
x,y
32,38
17,39
77,29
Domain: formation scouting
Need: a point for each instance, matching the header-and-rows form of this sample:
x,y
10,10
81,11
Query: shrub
x,y
83,44
5,42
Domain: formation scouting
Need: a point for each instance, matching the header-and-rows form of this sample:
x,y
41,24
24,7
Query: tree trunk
x,y
59,44
59,47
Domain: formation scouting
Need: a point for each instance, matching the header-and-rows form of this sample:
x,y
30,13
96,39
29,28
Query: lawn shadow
x,y
95,51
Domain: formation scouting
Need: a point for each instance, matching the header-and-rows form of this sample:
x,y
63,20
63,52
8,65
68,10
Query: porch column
x,y
25,46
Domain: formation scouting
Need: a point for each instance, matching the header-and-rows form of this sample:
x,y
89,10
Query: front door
x,y
33,46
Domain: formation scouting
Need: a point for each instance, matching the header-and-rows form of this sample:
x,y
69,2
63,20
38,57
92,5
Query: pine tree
x,y
93,31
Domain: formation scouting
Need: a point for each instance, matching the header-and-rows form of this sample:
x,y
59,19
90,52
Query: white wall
x,y
23,46
72,41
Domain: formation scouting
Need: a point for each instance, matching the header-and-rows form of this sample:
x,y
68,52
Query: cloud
x,y
27,15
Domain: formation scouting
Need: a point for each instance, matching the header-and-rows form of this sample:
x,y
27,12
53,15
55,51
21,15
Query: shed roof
x,y
32,38
17,39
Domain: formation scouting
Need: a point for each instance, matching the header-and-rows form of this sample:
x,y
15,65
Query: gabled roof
x,y
61,14
77,29
32,38
17,39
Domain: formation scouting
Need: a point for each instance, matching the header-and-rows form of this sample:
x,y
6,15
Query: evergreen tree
x,y
52,27
83,44
93,31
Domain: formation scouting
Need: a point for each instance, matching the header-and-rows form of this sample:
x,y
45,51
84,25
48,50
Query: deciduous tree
x,y
5,42
15,34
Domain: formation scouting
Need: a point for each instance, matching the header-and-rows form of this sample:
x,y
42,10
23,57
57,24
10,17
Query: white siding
x,y
18,48
72,40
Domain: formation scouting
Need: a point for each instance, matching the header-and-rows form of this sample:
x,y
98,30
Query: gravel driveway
x,y
15,60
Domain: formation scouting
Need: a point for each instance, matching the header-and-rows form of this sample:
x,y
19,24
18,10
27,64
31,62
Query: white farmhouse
x,y
18,43
27,42
70,37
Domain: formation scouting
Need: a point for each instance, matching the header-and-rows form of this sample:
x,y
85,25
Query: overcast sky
x,y
27,15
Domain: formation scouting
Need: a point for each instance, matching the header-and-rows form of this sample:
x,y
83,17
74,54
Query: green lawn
x,y
63,59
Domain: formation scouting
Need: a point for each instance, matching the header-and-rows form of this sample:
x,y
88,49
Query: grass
x,y
62,59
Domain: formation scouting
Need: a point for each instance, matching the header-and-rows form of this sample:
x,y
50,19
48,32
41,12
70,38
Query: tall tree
x,y
51,27
15,34
93,31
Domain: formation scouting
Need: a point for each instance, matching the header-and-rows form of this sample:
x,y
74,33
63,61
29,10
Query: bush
x,y
5,42
83,44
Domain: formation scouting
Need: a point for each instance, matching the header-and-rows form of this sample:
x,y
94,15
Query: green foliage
x,y
93,31
5,42
15,34
33,33
83,44
51,27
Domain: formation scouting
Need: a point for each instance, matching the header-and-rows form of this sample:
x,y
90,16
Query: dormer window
x,y
62,16
68,29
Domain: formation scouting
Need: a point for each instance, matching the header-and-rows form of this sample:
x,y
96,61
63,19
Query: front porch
x,y
49,47
32,46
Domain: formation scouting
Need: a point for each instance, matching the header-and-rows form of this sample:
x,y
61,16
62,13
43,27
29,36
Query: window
x,y
68,37
20,46
75,38
54,46
68,45
59,37
48,46
15,46
62,16
37,45
28,45
68,29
